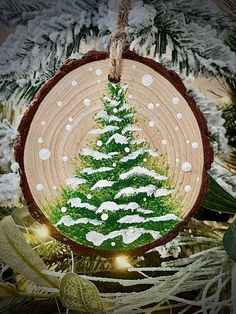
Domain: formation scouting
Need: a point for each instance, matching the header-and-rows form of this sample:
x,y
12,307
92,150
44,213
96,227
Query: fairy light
x,y
122,262
41,231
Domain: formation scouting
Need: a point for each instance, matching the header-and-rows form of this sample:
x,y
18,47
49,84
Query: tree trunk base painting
x,y
113,168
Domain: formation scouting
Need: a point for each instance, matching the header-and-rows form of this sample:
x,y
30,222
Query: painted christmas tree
x,y
120,198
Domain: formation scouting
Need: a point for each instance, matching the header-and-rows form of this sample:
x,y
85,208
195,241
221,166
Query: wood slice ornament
x,y
113,168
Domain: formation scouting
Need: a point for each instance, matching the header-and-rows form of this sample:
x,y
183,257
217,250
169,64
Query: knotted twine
x,y
118,42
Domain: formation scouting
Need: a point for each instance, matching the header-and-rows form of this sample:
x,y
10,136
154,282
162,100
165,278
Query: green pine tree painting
x,y
120,197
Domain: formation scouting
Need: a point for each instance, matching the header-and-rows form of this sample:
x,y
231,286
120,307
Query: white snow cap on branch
x,y
9,190
7,136
96,154
141,171
102,184
224,177
113,207
69,221
215,122
150,190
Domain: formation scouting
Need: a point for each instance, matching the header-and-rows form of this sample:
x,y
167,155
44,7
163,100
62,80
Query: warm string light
x,y
122,262
41,231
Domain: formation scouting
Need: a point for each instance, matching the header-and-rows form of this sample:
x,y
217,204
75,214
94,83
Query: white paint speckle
x,y
145,159
40,140
104,217
187,188
39,187
187,141
176,128
70,119
115,110
90,69
113,243
43,122
98,72
74,83
198,179
186,166
130,96
68,127
194,145
54,187
147,80
144,199
157,105
179,116
175,100
177,160
127,150
63,209
151,106
99,143
65,158
87,102
114,164
89,196
44,154
164,142
151,124
133,66
60,103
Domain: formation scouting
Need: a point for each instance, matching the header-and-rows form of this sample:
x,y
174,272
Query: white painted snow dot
x,y
187,188
177,160
147,80
104,217
198,179
176,128
68,127
65,158
60,103
164,142
87,102
175,100
133,66
98,72
145,159
157,105
44,154
113,243
43,122
114,164
150,106
63,209
70,119
39,187
144,199
54,187
151,124
89,196
130,96
115,110
99,143
74,83
40,140
179,116
186,166
127,150
194,145
187,141
90,69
